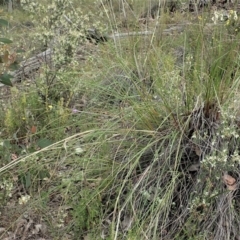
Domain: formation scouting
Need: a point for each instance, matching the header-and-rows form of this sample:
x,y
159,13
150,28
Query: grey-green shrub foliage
x,y
60,26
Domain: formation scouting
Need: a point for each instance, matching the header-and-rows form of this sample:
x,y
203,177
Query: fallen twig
x,y
33,64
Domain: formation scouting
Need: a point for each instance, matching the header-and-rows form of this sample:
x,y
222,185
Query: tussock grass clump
x,y
177,161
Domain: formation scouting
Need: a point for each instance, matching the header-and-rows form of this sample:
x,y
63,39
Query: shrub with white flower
x,y
60,26
230,18
224,15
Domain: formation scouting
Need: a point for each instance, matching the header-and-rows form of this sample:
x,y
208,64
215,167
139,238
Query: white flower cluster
x,y
224,15
61,218
215,161
7,187
229,132
60,26
23,199
220,160
203,201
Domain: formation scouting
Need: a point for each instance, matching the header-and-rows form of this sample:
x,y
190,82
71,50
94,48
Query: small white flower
x,y
79,150
215,17
221,18
235,17
23,199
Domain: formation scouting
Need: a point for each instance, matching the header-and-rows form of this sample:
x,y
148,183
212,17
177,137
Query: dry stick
x,y
167,31
31,65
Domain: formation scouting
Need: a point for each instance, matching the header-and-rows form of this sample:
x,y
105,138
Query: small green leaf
x,y
14,66
5,79
7,144
5,40
43,174
25,179
3,22
42,143
28,180
20,51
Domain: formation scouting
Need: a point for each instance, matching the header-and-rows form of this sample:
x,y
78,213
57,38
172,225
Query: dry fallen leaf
x,y
194,167
232,188
33,129
198,150
230,182
14,156
126,223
